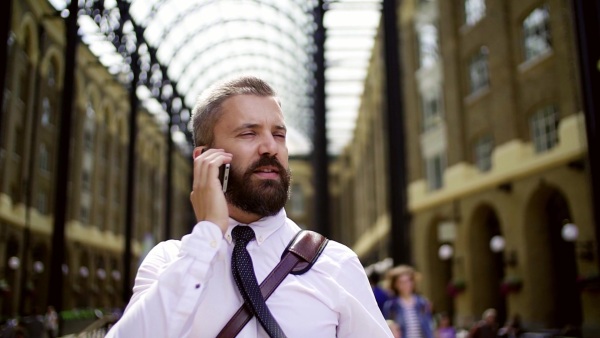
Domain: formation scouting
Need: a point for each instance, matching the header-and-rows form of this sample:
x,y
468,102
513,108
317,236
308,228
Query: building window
x,y
544,128
85,181
51,76
483,153
428,46
478,70
434,167
42,203
44,158
431,106
84,215
46,112
88,140
474,11
297,200
537,39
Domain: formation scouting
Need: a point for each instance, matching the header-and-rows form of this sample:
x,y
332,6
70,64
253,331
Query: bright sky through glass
x,y
204,41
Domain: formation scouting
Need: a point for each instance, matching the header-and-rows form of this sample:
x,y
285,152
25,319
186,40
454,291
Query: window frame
x,y
544,128
483,149
537,38
434,171
479,70
474,17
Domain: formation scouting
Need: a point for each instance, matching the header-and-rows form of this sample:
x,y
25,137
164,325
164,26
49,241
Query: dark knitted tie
x,y
245,278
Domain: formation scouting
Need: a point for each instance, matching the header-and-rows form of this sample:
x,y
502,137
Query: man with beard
x,y
187,288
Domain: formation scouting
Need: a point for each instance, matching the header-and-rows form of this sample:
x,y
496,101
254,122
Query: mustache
x,y
266,160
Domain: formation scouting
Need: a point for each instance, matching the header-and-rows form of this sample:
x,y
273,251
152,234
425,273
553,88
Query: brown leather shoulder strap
x,y
300,255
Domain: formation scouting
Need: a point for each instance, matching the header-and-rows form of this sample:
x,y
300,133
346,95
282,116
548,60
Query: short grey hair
x,y
207,110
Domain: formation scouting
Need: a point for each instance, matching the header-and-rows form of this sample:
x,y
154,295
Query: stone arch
x,y
53,58
40,253
101,277
110,118
27,37
92,93
487,267
82,279
551,261
12,249
440,271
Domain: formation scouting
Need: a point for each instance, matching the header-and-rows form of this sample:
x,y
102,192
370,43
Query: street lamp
x,y
445,252
38,267
569,232
497,244
14,262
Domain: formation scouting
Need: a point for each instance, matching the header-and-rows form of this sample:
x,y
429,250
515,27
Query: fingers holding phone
x,y
211,173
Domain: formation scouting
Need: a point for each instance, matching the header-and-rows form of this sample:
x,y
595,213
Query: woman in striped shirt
x,y
409,310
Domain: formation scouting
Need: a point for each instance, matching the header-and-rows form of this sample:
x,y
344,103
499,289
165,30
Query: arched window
x,y
474,11
428,45
479,77
544,128
44,158
46,112
537,39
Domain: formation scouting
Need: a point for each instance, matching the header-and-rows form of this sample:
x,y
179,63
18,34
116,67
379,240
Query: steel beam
x,y
63,164
320,157
399,245
587,21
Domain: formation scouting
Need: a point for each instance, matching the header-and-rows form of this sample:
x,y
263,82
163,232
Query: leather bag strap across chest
x,y
300,255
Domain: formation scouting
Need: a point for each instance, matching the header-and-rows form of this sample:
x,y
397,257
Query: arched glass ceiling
x,y
190,44
203,42
351,27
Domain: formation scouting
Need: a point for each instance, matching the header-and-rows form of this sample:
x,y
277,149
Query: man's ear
x,y
197,151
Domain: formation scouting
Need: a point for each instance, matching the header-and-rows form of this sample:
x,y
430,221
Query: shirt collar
x,y
263,228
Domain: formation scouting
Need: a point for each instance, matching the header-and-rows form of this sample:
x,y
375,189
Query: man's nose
x,y
268,145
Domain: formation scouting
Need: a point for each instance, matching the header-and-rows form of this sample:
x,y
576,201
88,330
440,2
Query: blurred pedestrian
x,y
486,327
409,310
381,295
51,322
512,328
444,329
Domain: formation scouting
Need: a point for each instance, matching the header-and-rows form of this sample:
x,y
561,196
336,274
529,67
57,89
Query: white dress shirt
x,y
186,288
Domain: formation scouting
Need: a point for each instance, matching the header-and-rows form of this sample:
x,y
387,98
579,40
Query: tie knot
x,y
242,234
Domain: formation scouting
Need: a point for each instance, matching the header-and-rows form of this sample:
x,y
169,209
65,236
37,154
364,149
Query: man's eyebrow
x,y
256,125
246,126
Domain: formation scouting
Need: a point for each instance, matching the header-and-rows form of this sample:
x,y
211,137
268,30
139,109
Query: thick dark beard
x,y
259,197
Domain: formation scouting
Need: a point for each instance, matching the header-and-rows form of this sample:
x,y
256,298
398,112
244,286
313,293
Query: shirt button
x,y
213,244
228,237
260,239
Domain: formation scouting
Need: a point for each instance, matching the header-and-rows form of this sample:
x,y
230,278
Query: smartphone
x,y
223,174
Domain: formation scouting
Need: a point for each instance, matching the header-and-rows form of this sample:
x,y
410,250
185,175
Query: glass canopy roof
x,y
200,42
